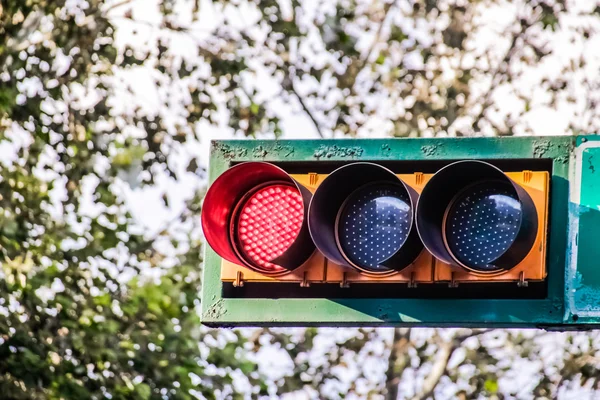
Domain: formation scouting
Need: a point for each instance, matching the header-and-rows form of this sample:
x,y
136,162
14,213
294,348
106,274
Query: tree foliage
x,y
101,99
88,308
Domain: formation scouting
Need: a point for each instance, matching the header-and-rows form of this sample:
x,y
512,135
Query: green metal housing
x,y
573,283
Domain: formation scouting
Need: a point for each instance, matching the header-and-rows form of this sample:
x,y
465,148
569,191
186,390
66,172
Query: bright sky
x,y
147,206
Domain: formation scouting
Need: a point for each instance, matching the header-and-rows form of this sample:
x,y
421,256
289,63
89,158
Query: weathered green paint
x,y
573,289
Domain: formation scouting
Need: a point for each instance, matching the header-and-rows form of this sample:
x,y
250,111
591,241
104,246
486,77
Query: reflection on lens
x,y
482,224
374,224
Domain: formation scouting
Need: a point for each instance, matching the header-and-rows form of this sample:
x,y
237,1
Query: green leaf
x,y
143,391
491,386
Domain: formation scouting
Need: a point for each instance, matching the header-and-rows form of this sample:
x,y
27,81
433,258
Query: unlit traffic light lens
x,y
269,223
374,224
482,224
472,215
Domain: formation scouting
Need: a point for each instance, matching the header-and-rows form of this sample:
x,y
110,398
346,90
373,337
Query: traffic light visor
x,y
254,214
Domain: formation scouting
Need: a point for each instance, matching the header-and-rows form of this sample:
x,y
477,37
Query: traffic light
x,y
487,224
392,232
362,217
472,215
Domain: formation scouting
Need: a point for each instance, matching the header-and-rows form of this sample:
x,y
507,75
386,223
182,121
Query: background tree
x,y
91,307
106,103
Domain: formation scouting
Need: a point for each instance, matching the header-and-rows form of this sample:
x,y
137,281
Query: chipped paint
x,y
541,147
336,151
216,310
430,150
384,312
566,152
259,152
284,151
591,166
577,281
229,152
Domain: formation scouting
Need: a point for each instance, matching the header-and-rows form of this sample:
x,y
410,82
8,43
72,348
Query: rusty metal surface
x,y
573,284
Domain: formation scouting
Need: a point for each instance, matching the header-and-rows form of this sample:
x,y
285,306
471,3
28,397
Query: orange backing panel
x,y
426,268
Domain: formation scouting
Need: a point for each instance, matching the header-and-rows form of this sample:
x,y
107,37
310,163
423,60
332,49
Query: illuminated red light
x,y
269,222
254,215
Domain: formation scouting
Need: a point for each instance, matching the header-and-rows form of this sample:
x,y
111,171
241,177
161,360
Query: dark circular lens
x,y
482,224
374,224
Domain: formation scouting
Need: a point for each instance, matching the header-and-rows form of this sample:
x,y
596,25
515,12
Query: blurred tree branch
x,y
387,8
500,74
398,360
445,349
307,110
444,352
116,5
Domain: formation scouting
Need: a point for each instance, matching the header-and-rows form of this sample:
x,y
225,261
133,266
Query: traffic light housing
x,y
429,232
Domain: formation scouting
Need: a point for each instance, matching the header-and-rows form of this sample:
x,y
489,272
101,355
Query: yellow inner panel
x,y
426,268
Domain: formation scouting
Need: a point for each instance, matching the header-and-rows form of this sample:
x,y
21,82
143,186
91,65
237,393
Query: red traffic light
x,y
254,214
362,216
